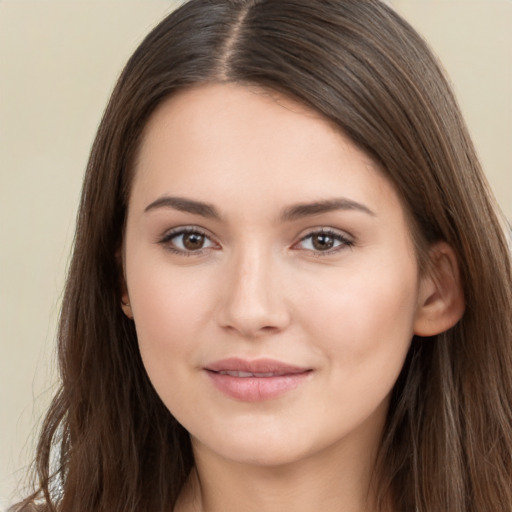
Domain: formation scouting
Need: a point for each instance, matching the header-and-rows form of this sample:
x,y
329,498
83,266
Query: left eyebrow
x,y
299,211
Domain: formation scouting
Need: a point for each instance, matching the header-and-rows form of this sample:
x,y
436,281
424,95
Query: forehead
x,y
204,111
226,140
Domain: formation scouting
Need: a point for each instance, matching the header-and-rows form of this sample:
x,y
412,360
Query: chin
x,y
265,449
265,458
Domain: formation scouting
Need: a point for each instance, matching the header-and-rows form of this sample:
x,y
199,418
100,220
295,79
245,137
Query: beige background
x,y
58,63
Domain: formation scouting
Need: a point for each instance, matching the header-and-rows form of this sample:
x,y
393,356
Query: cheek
x,y
363,329
170,308
364,317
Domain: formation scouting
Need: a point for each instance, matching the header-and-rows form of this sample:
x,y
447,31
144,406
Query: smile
x,y
250,374
254,381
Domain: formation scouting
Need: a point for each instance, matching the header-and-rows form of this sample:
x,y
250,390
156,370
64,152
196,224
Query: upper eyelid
x,y
170,233
165,240
346,241
328,230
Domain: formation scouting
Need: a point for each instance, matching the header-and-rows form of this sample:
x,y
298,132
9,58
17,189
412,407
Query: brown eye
x,y
322,242
187,241
193,241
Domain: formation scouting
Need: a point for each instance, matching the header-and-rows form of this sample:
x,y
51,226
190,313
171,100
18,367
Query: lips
x,y
258,380
250,374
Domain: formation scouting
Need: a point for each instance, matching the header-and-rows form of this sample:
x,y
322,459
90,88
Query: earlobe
x,y
441,298
126,307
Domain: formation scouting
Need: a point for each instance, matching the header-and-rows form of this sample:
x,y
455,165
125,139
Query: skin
x,y
259,287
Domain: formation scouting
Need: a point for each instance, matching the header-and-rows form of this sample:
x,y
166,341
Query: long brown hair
x,y
109,444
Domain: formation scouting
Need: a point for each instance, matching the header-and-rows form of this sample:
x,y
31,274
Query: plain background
x,y
58,63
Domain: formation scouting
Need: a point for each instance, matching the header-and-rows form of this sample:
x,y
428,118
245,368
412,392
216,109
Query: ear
x,y
441,299
125,306
125,298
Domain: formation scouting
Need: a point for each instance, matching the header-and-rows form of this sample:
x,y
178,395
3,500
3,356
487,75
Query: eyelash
x,y
344,241
166,240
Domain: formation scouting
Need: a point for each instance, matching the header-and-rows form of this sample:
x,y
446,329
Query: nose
x,y
253,302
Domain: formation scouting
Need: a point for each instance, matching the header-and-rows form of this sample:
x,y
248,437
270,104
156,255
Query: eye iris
x,y
323,242
193,241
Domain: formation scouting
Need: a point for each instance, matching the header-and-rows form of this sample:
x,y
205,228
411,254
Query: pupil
x,y
323,242
193,241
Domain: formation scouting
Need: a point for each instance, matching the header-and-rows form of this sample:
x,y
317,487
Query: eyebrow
x,y
185,205
290,213
299,211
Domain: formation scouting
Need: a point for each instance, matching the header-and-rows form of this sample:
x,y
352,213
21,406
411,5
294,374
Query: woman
x,y
290,289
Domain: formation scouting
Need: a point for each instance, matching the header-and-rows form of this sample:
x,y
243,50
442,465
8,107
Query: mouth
x,y
244,375
253,381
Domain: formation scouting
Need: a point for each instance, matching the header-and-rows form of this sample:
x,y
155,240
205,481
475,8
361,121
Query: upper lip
x,y
257,366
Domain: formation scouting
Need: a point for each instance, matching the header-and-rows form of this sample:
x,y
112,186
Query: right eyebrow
x,y
185,205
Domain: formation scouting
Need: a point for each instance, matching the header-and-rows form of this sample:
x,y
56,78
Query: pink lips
x,y
252,381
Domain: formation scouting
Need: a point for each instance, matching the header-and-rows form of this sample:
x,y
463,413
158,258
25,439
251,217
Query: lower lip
x,y
256,389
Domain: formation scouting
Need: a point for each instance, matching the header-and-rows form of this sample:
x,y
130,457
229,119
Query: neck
x,y
340,479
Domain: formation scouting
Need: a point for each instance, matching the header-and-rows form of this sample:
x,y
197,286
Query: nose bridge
x,y
254,303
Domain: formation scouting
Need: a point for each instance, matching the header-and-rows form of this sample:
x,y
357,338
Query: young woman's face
x,y
271,276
